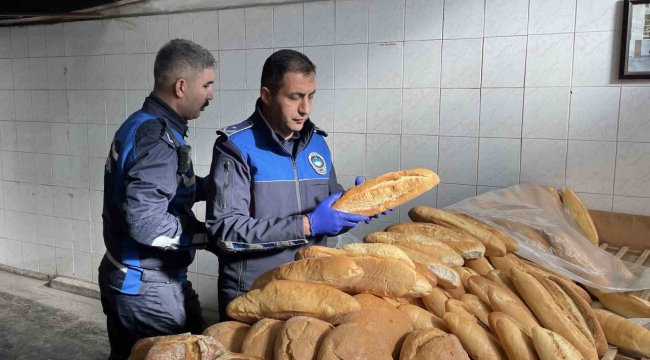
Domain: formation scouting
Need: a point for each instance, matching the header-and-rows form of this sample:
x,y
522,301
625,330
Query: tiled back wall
x,y
488,93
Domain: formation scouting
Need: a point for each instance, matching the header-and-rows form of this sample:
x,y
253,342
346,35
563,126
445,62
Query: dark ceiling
x,y
19,8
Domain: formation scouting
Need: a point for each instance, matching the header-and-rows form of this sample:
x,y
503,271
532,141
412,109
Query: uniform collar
x,y
155,106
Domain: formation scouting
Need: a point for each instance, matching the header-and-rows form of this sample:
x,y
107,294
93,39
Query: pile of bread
x,y
446,286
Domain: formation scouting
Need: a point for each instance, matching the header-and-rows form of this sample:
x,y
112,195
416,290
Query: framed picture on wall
x,y
635,44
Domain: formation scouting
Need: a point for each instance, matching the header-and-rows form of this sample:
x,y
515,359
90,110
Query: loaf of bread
x,y
550,314
260,340
493,245
481,265
463,243
481,287
316,251
478,343
420,243
511,244
580,214
435,302
502,278
142,346
353,342
435,344
427,274
446,276
284,299
551,190
624,333
465,273
335,271
456,293
516,341
380,250
579,311
388,277
388,324
301,338
552,346
462,309
476,303
628,305
230,334
422,319
514,309
184,347
386,192
235,356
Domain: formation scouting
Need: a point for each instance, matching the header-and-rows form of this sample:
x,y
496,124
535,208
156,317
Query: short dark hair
x,y
180,59
282,62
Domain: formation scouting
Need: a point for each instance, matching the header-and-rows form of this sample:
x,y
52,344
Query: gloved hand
x,y
326,221
357,181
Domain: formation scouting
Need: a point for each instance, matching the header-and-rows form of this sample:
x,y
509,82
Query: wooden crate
x,y
639,258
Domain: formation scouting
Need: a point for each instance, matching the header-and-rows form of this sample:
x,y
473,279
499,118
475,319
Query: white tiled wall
x,y
488,93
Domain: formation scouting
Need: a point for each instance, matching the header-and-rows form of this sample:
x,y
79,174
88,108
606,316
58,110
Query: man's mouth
x,y
207,102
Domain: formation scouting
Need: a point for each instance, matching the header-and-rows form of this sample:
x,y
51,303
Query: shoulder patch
x,y
233,129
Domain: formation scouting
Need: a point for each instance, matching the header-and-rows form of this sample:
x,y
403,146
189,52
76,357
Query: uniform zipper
x,y
297,181
226,181
242,275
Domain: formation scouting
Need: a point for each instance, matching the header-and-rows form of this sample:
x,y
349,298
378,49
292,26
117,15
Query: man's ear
x,y
265,94
180,87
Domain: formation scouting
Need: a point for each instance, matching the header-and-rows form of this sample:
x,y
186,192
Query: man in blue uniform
x,y
150,230
272,182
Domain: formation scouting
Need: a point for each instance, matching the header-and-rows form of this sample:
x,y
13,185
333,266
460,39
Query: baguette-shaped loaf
x,y
465,273
421,243
481,287
628,305
388,277
550,314
432,344
386,192
335,271
284,299
177,347
624,333
580,214
478,343
422,319
517,311
435,302
458,307
553,346
446,275
502,278
427,273
230,334
260,340
481,265
473,301
511,244
493,245
515,339
353,342
381,250
316,251
463,243
300,338
551,190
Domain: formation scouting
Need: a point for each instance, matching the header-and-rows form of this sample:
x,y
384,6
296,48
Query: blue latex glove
x,y
357,181
326,221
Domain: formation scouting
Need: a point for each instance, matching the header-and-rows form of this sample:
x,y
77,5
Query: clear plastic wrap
x,y
548,235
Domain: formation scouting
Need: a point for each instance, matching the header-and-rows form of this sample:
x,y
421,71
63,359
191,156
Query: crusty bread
x,y
551,190
283,299
424,244
422,319
456,293
235,356
435,302
463,243
388,324
460,308
480,265
552,346
514,309
260,340
502,278
550,314
301,338
335,271
381,250
386,277
481,287
515,339
427,273
141,347
476,303
353,342
628,305
511,244
493,245
387,191
624,333
185,347
446,276
316,251
229,333
580,214
579,311
465,273
428,344
478,343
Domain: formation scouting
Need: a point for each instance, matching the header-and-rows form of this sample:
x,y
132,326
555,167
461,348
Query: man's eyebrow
x,y
209,82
